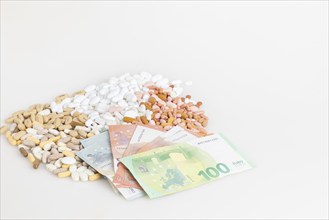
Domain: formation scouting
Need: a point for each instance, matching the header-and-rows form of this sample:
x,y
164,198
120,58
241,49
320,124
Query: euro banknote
x,y
171,169
141,136
97,154
120,138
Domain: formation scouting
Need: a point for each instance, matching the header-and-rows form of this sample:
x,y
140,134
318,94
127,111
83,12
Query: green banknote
x,y
178,167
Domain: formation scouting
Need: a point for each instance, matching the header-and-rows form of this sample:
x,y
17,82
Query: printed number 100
x,y
212,172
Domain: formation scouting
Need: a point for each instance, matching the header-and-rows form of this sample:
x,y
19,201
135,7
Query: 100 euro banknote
x,y
182,166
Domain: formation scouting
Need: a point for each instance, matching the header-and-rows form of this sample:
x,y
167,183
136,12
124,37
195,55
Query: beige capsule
x,y
80,92
28,123
90,134
39,107
73,133
10,120
15,114
76,122
32,117
55,156
57,122
3,129
63,127
67,120
39,118
68,109
82,133
21,127
37,125
18,135
75,141
83,118
60,98
28,143
46,118
49,126
27,114
17,120
21,117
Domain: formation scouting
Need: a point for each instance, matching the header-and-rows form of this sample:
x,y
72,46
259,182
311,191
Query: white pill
x,y
131,97
66,101
44,112
103,91
89,172
188,83
51,167
36,150
73,168
85,101
45,156
131,114
81,169
90,88
38,155
58,163
61,149
145,89
53,131
108,117
31,131
48,146
83,177
117,98
122,103
118,115
100,121
89,122
75,176
94,100
78,98
68,160
102,108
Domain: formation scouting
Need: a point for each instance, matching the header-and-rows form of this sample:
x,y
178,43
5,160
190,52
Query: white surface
x,y
260,68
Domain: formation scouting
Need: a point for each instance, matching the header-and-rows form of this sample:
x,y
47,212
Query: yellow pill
x,y
64,174
12,141
35,140
8,133
68,153
95,177
54,139
65,166
3,129
31,158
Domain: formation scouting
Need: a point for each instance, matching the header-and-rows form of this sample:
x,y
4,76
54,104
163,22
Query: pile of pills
x,y
50,133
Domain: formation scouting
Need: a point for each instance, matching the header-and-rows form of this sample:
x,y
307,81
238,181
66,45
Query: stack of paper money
x,y
141,160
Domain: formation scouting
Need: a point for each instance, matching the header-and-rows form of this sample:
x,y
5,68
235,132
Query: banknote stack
x,y
139,160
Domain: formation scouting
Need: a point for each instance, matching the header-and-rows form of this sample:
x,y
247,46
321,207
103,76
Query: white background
x,y
260,68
